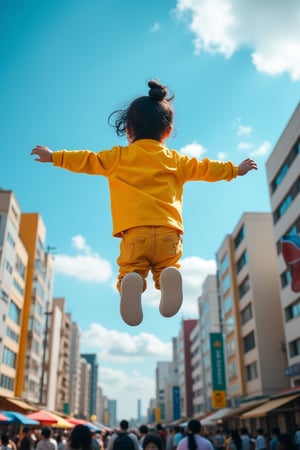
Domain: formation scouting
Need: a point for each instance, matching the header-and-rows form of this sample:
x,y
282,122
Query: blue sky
x,y
65,66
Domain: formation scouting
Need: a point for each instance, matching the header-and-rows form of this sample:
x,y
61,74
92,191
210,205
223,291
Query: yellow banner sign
x,y
219,399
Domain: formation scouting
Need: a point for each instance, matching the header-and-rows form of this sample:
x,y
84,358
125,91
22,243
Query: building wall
x,y
38,297
13,269
249,292
284,187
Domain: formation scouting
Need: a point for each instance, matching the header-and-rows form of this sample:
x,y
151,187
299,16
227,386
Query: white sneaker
x,y
131,298
171,291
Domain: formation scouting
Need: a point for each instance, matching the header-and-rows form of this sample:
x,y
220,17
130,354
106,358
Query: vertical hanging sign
x,y
218,371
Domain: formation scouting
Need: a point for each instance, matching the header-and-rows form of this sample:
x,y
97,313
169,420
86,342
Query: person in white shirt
x,y
193,441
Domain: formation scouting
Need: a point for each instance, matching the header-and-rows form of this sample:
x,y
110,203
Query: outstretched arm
x,y
246,165
44,154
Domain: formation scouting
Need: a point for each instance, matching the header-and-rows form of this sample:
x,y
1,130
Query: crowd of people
x,y
193,437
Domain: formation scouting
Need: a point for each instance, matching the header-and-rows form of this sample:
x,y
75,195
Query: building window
x,y
285,278
224,263
285,166
6,382
226,283
230,347
294,348
249,342
287,201
292,310
20,267
240,236
242,261
9,358
10,240
12,334
251,371
14,313
246,314
232,370
244,287
227,305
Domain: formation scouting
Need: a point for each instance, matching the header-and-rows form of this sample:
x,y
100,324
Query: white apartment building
x,y
209,322
251,311
13,270
74,386
283,173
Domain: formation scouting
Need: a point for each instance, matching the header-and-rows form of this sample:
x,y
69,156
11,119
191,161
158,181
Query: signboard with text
x,y
218,371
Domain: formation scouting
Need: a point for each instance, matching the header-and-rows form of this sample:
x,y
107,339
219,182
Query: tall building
x,y
91,358
112,413
251,312
283,173
63,363
209,322
74,386
185,367
37,301
13,270
85,391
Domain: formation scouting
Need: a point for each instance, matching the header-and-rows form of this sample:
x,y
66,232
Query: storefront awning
x,y
243,408
213,418
14,404
263,410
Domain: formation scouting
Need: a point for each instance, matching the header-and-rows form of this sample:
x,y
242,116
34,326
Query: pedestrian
x,y
143,431
26,443
260,441
153,441
274,438
123,439
193,440
47,442
80,439
146,181
245,438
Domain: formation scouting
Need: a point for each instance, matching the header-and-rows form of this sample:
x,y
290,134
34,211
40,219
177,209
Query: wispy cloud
x,y
112,345
262,150
195,150
269,28
85,265
244,130
155,27
133,353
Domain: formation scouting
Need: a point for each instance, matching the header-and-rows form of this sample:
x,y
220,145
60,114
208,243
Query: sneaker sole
x,y
171,292
131,299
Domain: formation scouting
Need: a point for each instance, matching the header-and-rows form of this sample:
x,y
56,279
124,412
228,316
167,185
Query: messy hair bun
x,y
157,91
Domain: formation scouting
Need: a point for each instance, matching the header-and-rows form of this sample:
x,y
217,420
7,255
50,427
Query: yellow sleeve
x,y
208,170
86,161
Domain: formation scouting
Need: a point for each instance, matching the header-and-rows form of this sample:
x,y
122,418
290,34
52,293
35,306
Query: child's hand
x,y
246,165
44,153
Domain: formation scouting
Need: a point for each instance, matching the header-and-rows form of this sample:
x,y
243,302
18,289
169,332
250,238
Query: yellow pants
x,y
144,249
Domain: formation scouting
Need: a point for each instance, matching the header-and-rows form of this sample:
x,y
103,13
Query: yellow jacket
x,y
145,180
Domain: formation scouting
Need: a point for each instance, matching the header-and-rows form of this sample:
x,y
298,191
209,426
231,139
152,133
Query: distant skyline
x,y
234,69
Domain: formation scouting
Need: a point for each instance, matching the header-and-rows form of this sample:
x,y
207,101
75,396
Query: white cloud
x,y
155,27
112,345
88,266
117,349
127,387
269,28
79,243
194,150
244,130
245,145
262,149
222,156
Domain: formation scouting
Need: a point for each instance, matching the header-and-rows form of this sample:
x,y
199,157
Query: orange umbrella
x,y
43,417
75,421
